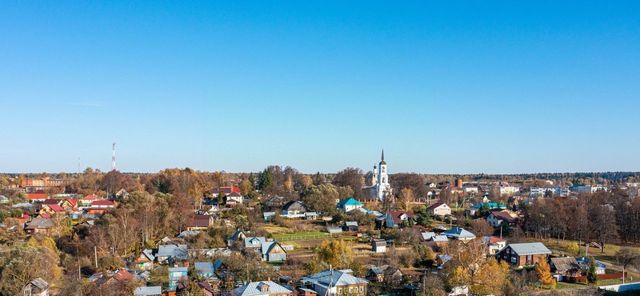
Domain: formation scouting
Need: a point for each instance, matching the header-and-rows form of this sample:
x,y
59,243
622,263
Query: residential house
x,y
273,252
349,204
384,273
176,275
396,219
122,194
351,226
378,246
485,205
200,222
4,199
274,202
39,225
427,235
262,288
496,218
87,200
148,291
494,244
293,209
204,269
524,254
459,233
227,190
171,253
37,196
336,282
234,198
51,209
236,236
70,204
584,263
99,207
439,209
145,260
36,287
564,268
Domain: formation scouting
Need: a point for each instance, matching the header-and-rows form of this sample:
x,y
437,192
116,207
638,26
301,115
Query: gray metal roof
x,y
529,249
334,278
253,289
147,291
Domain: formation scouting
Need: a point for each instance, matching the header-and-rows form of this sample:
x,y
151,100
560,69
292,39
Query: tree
x,y
407,197
23,264
432,285
459,276
490,278
544,274
321,198
482,227
573,249
335,253
625,257
592,276
351,177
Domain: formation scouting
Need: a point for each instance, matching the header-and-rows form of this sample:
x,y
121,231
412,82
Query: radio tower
x,y
113,157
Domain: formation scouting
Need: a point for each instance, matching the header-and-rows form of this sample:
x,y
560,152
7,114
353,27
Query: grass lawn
x,y
300,236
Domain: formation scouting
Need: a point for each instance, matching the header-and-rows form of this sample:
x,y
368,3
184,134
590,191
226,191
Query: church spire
x,y
382,158
382,155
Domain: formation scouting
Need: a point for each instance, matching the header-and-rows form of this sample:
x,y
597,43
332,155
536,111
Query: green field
x,y
300,236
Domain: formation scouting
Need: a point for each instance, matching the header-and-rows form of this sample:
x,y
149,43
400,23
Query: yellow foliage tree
x,y
544,274
335,253
491,278
459,276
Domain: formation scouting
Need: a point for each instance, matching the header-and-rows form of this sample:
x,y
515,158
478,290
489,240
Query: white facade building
x,y
381,187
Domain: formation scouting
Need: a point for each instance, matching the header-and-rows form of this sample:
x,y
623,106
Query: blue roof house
x,y
349,204
460,234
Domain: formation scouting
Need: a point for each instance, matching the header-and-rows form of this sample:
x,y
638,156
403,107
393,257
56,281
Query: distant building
x,y
336,282
378,246
148,291
524,254
294,209
380,189
496,218
349,204
395,219
494,244
439,209
459,233
262,288
36,287
587,188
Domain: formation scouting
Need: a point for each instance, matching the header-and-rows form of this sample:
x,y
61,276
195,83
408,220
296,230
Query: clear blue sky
x,y
446,87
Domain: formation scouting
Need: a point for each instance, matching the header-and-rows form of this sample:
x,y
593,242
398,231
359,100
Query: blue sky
x,y
443,87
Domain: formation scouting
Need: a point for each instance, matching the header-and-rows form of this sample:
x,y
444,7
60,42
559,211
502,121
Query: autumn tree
x,y
407,197
335,253
544,274
350,177
490,278
21,264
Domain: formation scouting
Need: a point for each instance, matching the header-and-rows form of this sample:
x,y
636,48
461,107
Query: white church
x,y
380,188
